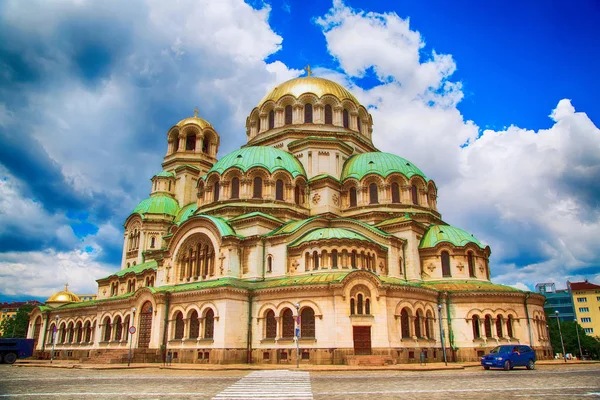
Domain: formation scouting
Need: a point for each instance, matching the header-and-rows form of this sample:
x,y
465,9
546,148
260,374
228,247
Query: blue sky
x,y
493,100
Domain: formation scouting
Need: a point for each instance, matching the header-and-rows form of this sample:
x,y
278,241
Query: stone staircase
x,y
370,360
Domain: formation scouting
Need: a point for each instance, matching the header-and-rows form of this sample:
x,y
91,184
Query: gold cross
x,y
308,70
196,112
66,287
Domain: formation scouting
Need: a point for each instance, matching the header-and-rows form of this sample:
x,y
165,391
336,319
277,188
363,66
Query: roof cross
x,y
308,70
66,287
196,112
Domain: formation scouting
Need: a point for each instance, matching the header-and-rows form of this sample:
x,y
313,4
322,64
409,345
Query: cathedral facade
x,y
306,245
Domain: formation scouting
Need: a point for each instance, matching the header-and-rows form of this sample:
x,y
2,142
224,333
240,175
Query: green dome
x,y
329,233
185,212
445,233
259,156
382,164
157,204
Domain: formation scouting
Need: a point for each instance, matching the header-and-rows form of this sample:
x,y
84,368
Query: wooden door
x,y
362,340
145,326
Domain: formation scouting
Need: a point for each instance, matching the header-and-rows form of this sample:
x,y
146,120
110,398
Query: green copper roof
x,y
259,156
446,233
224,228
186,212
256,214
329,233
165,174
467,286
136,269
322,176
290,227
157,204
382,164
215,283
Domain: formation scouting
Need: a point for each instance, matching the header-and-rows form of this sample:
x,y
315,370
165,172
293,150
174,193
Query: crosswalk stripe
x,y
272,384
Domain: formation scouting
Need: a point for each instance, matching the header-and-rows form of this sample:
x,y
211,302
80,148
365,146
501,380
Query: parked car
x,y
509,356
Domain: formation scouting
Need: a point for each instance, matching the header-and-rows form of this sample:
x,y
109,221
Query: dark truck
x,y
11,349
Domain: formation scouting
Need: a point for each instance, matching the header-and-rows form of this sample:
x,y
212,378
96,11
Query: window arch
x,y
288,115
418,320
270,263
328,114
258,124
257,188
179,325
194,325
352,306
126,325
235,188
471,263
216,191
315,260
499,324
359,303
279,189
287,324
487,324
70,333
334,258
509,326
118,328
445,264
358,124
152,242
308,113
353,259
307,323
429,325
395,192
271,119
476,332
352,197
404,324
107,329
373,194
297,195
346,118
88,332
205,145
415,194
271,331
190,142
79,330
209,324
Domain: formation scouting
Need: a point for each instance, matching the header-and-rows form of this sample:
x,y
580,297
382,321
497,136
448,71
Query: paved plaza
x,y
555,381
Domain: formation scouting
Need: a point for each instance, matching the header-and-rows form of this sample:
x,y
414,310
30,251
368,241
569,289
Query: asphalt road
x,y
546,382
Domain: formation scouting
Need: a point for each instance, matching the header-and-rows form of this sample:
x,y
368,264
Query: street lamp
x,y
442,334
561,338
54,331
131,323
578,341
297,335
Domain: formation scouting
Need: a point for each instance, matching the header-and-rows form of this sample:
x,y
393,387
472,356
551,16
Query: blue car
x,y
509,356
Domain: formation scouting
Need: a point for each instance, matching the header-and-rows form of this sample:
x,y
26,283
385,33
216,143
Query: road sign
x,y
132,330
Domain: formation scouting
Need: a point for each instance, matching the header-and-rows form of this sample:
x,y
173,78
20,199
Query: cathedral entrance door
x,y
362,340
145,326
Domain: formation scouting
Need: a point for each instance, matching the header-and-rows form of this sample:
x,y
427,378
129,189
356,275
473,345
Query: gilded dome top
x,y
202,123
309,84
64,296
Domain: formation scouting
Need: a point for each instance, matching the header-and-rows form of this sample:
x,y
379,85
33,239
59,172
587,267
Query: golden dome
x,y
309,84
64,296
195,120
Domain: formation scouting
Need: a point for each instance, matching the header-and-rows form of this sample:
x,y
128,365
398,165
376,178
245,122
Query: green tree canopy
x,y
589,344
16,326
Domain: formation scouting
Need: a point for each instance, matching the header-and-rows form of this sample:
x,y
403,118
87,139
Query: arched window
x,y
152,242
107,329
352,197
205,145
352,306
190,142
395,193
359,304
194,325
315,260
373,195
368,306
179,325
404,324
297,195
446,264
308,113
428,325
79,331
476,333
271,119
235,188
216,191
257,188
70,332
307,261
346,118
279,189
334,258
288,115
488,326
175,143
271,325
209,324
287,324
418,325
270,264
509,326
471,262
353,259
358,124
126,325
328,114
88,332
258,124
415,195
307,323
118,329
499,326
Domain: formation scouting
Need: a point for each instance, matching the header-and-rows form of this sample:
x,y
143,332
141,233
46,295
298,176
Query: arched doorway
x,y
36,331
145,325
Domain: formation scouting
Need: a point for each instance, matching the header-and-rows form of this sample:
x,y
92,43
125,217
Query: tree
x,y
589,345
16,326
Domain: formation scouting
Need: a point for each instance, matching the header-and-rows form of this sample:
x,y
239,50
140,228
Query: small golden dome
x,y
64,296
195,120
309,84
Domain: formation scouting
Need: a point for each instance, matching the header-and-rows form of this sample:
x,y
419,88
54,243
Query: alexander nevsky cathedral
x,y
307,245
